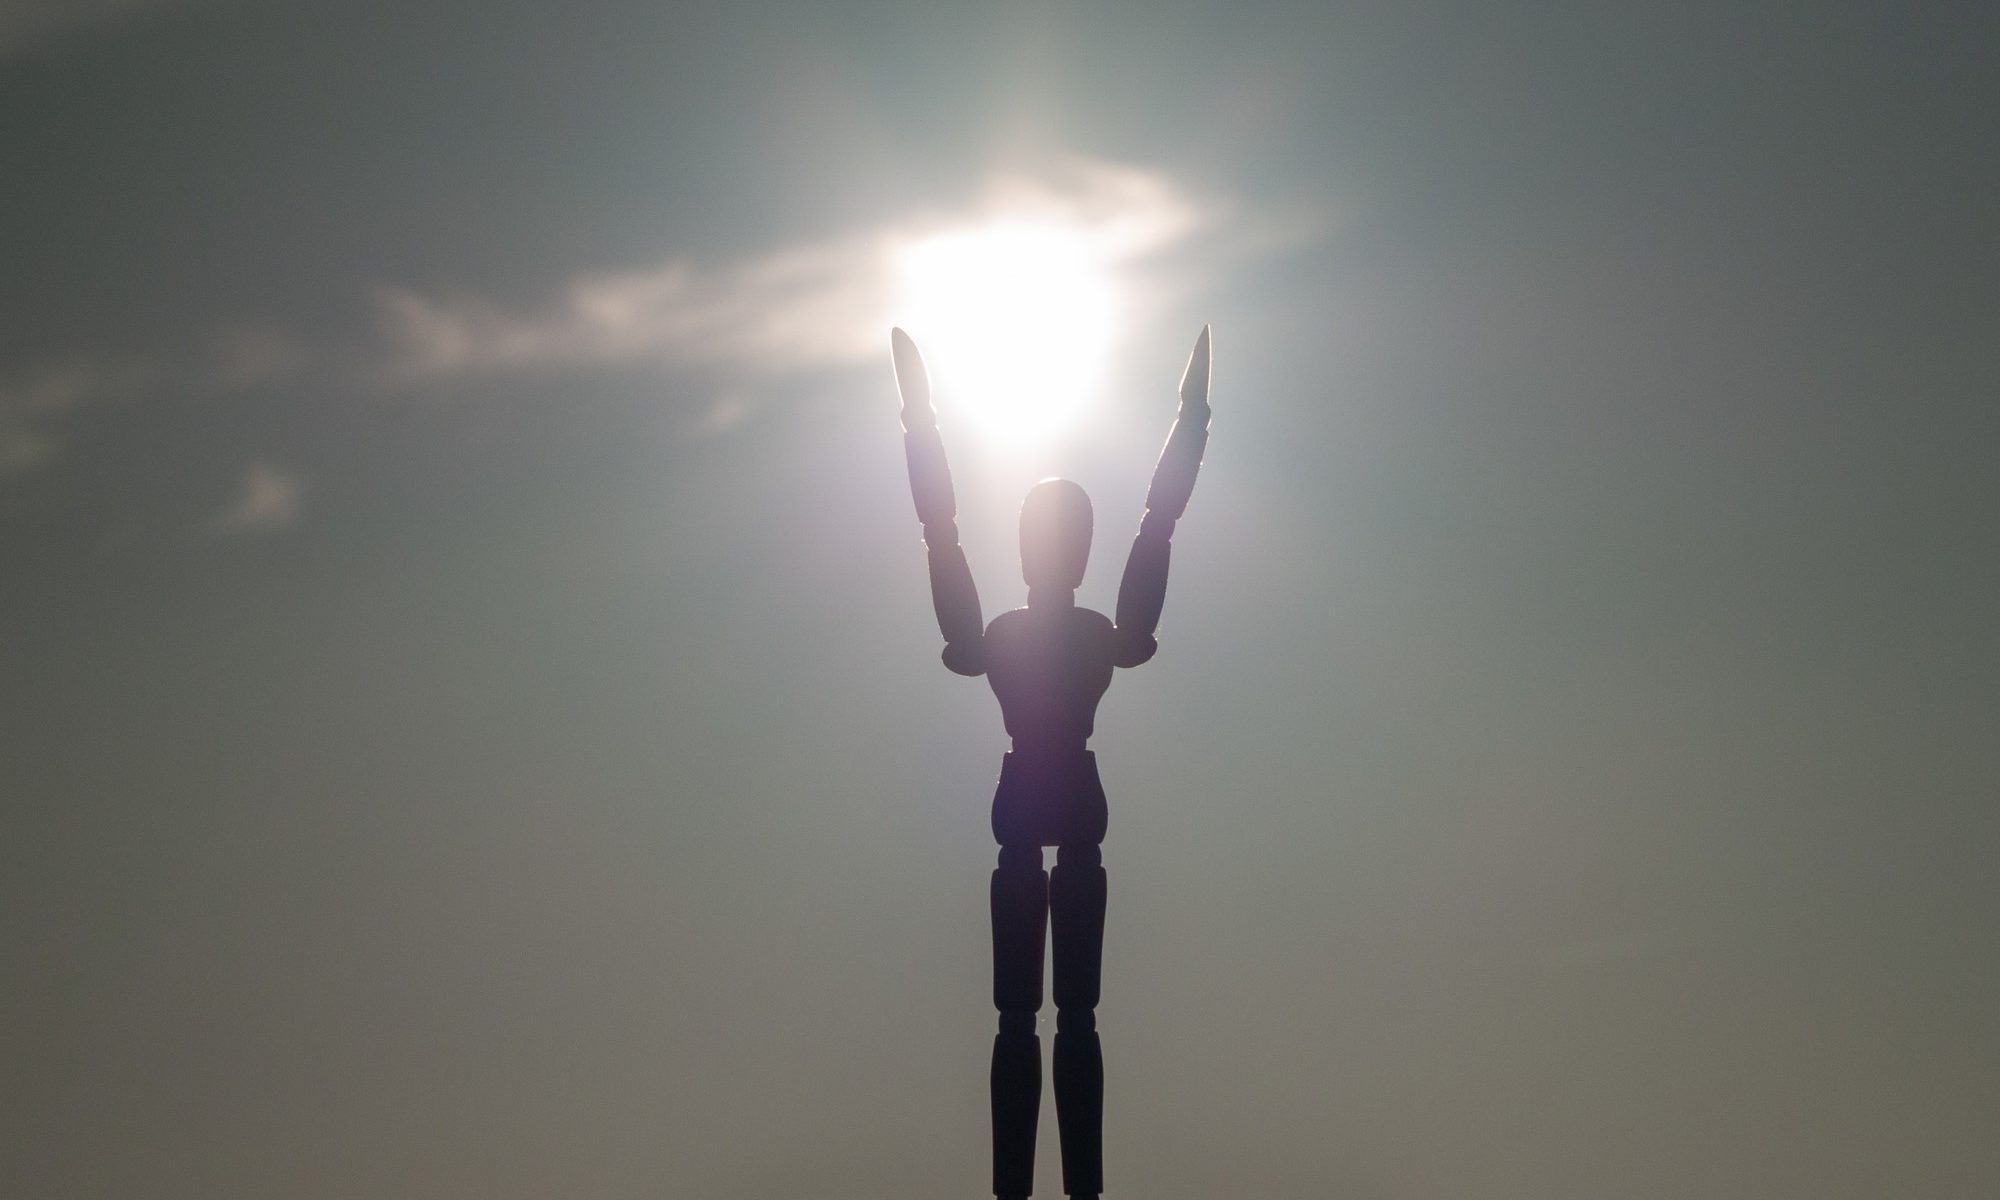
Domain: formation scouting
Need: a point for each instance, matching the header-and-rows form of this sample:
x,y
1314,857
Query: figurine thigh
x,y
1076,906
1020,899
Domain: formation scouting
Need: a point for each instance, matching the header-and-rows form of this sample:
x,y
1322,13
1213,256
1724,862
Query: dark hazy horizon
x,y
473,718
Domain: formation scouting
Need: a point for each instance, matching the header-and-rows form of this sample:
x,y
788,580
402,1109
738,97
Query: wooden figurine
x,y
1049,663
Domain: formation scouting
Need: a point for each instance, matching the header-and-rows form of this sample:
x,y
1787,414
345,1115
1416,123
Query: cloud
x,y
27,25
245,356
784,312
31,403
799,308
268,501
807,307
34,402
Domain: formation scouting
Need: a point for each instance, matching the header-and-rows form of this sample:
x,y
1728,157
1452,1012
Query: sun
x,y
1014,319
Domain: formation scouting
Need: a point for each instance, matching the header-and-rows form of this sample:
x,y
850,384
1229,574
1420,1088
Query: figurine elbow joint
x,y
1135,648
965,658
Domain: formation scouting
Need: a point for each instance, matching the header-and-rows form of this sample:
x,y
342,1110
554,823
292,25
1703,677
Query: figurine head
x,y
1055,536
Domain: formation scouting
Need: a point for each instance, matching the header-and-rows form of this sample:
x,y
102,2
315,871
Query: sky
x,y
470,702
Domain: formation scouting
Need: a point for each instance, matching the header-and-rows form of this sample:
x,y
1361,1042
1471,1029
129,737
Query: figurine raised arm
x,y
1142,592
953,595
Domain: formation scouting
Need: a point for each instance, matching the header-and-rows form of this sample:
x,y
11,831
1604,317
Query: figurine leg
x,y
1020,917
1076,906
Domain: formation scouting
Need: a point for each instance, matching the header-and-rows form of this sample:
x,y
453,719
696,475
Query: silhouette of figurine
x,y
1048,663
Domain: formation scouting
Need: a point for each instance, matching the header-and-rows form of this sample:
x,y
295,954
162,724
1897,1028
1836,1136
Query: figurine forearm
x,y
953,596
1142,592
957,605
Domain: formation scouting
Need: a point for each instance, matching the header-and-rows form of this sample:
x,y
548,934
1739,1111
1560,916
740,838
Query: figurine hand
x,y
1194,382
912,381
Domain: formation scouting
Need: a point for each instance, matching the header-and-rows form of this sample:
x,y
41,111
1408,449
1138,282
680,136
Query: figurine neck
x,y
1050,596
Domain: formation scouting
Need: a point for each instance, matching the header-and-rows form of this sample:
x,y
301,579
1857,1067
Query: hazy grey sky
x,y
472,718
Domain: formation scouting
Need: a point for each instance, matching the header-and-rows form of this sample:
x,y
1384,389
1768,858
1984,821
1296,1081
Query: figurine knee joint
x,y
1020,858
1079,854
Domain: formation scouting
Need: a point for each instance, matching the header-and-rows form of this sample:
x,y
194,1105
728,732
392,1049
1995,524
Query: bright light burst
x,y
1014,319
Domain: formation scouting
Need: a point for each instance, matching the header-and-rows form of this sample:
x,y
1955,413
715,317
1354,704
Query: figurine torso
x,y
1049,667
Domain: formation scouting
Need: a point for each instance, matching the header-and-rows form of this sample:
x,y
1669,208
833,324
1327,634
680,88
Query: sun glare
x,y
1013,320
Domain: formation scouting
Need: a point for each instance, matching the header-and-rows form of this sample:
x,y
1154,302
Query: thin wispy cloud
x,y
791,310
33,403
787,311
266,501
795,309
34,25
245,356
